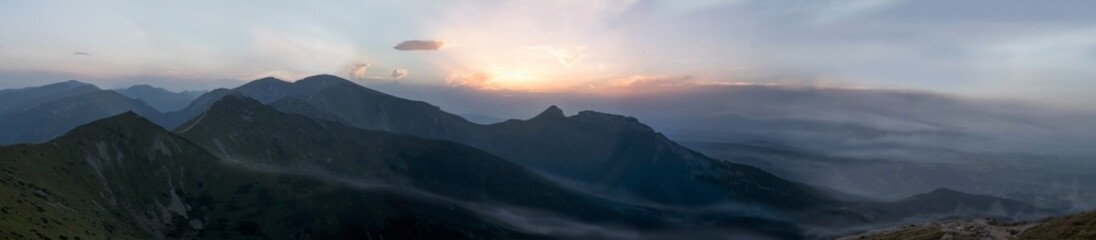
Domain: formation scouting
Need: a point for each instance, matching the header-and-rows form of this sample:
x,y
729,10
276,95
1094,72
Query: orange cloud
x,y
475,80
518,78
399,73
358,70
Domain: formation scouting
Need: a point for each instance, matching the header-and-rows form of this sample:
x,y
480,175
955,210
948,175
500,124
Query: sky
x,y
1041,51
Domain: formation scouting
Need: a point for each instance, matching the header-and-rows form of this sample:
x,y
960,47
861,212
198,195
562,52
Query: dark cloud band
x,y
421,45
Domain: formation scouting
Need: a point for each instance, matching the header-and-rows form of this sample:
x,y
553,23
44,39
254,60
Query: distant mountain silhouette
x,y
46,119
17,99
356,106
196,107
266,89
481,119
950,201
621,155
968,216
159,98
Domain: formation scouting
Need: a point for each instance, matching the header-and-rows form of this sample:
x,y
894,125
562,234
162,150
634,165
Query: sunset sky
x,y
1034,50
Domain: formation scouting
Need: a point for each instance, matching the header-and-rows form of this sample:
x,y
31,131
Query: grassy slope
x,y
150,183
1078,226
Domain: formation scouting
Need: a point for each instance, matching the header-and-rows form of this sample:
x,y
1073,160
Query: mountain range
x,y
159,98
38,114
606,153
278,159
124,177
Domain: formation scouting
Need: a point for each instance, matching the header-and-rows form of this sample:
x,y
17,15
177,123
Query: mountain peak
x,y
72,84
227,103
234,100
268,83
551,113
127,120
944,190
269,79
943,193
324,79
128,115
144,89
72,81
142,86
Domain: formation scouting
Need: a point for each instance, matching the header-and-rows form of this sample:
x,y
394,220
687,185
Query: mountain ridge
x,y
130,178
163,100
47,120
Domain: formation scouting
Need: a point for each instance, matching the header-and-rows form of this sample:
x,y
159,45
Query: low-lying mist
x,y
905,142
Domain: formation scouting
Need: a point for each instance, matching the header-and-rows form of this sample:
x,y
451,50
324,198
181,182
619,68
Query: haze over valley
x,y
630,119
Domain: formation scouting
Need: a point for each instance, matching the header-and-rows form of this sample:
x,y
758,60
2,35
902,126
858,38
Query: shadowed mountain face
x,y
944,200
356,106
124,177
948,203
606,153
18,99
619,154
615,156
45,120
243,129
196,107
159,98
305,165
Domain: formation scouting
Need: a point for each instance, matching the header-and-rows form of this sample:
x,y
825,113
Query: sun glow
x,y
497,77
527,47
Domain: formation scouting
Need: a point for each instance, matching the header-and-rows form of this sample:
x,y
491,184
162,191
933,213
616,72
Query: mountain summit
x,y
159,98
43,121
552,112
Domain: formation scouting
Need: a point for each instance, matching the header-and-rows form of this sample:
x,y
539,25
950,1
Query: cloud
x,y
81,53
399,73
647,83
515,78
655,83
358,70
422,45
567,57
475,80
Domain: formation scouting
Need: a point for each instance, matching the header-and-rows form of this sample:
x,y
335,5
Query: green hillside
x,y
124,177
